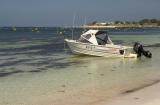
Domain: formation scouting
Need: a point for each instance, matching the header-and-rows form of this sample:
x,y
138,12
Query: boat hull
x,y
94,50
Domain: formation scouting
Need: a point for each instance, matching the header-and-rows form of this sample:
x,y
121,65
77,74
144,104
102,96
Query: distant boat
x,y
14,29
35,30
98,43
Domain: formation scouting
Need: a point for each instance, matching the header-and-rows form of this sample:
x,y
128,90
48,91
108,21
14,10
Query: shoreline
x,y
85,26
148,95
114,26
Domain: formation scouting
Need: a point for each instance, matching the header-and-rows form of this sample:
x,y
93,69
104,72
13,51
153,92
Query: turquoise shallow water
x,y
35,69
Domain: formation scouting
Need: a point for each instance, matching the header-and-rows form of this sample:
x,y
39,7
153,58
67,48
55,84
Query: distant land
x,y
144,23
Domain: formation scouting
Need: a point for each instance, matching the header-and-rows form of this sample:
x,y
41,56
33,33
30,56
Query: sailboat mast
x,y
73,25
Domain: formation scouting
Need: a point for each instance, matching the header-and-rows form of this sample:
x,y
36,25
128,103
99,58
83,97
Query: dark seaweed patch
x,y
12,63
40,64
101,74
35,71
46,49
58,65
140,87
12,58
61,91
4,74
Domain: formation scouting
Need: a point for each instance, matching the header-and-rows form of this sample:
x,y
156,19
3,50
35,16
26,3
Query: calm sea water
x,y
36,67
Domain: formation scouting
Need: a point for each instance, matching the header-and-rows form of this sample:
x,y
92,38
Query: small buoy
x,y
36,29
60,33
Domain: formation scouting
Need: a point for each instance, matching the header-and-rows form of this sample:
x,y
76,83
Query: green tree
x,y
144,21
154,21
134,22
158,23
94,22
118,22
127,22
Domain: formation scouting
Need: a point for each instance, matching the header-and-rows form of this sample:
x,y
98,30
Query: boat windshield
x,y
85,38
103,39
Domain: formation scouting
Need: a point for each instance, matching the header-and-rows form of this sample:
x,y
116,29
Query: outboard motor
x,y
138,48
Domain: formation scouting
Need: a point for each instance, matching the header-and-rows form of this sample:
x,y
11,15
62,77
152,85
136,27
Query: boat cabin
x,y
95,37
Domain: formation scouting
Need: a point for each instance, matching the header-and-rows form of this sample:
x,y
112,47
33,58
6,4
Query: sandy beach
x,y
146,96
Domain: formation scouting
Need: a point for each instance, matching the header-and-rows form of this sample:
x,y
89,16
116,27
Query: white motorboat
x,y
98,43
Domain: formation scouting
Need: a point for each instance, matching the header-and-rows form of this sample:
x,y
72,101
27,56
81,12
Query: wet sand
x,y
146,96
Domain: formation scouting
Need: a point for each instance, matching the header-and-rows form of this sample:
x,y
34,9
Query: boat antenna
x,y
84,28
73,25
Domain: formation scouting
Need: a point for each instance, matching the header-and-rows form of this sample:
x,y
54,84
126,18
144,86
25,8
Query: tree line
x,y
141,22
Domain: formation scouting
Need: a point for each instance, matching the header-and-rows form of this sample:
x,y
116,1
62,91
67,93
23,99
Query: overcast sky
x,y
61,12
